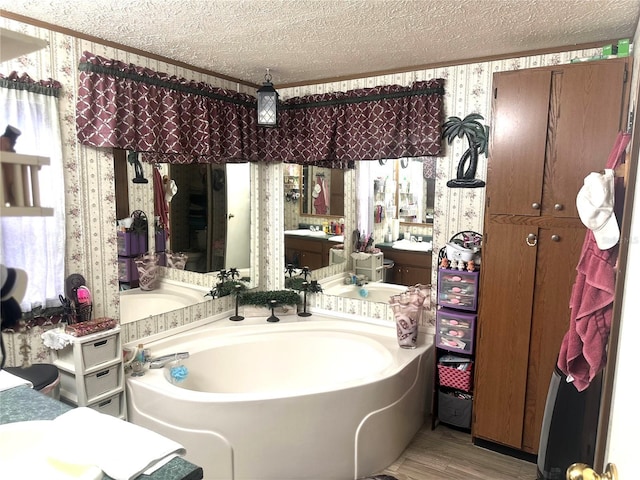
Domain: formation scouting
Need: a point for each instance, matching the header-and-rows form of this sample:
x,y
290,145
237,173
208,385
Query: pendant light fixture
x,y
267,103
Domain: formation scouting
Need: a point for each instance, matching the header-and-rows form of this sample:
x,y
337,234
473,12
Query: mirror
x,y
201,223
210,215
322,191
404,189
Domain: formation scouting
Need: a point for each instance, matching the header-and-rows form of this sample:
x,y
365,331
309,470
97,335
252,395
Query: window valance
x,y
25,83
134,108
180,121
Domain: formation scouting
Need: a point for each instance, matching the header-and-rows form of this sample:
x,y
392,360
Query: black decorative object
x,y
477,136
236,317
273,318
267,103
133,160
304,313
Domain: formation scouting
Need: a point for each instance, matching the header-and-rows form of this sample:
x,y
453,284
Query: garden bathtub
x,y
314,398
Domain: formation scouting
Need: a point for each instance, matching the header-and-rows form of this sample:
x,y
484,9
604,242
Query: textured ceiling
x,y
303,41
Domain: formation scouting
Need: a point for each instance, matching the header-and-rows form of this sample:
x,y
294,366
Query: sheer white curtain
x,y
36,244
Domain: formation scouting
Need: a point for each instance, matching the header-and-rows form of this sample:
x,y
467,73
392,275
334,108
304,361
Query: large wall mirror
x,y
210,215
401,190
209,212
315,197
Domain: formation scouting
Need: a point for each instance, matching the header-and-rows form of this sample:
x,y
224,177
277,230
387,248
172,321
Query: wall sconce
x,y
267,103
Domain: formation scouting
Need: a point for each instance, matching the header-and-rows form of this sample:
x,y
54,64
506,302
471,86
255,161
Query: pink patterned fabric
x,y
179,121
134,108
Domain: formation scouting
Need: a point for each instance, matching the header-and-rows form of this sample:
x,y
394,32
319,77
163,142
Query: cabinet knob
x,y
535,206
558,207
532,240
555,238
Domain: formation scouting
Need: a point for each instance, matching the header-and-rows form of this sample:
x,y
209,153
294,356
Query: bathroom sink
x,y
336,238
29,450
413,246
305,232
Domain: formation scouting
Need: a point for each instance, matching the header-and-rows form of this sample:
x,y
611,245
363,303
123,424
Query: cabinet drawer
x,y
458,289
86,389
93,353
103,381
455,331
114,405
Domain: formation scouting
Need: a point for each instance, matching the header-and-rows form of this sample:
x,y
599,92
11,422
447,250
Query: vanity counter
x,y
22,403
311,249
410,267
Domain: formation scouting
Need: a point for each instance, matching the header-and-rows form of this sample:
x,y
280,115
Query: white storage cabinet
x,y
92,374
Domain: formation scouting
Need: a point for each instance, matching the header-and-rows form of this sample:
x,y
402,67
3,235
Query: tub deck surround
x,y
346,298
321,397
136,304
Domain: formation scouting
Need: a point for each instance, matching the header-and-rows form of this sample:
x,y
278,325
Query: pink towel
x,y
159,203
583,353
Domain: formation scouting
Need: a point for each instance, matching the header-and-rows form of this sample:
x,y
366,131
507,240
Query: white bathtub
x,y
316,399
375,291
136,304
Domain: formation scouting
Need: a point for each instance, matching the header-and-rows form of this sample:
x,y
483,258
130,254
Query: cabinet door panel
x,y
558,252
586,111
515,167
504,322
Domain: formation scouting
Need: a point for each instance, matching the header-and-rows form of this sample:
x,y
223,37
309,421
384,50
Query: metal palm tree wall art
x,y
477,136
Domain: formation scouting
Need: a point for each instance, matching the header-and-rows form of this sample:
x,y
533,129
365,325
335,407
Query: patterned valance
x,y
388,121
179,121
24,82
124,106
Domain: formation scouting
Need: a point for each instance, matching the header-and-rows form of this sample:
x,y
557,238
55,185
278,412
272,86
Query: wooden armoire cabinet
x,y
550,127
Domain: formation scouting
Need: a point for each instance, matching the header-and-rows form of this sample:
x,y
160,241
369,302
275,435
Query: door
x,y
520,110
585,114
238,242
624,424
502,344
558,249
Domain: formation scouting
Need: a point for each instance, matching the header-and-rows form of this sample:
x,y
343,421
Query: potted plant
x,y
477,136
258,303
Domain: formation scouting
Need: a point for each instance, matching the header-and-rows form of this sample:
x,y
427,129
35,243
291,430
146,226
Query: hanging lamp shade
x,y
267,103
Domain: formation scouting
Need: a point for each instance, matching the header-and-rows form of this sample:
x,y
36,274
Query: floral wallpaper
x,y
89,180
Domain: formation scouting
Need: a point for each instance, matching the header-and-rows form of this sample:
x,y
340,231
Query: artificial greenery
x,y
263,299
229,287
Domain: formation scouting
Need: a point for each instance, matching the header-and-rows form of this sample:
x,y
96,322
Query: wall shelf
x,y
19,185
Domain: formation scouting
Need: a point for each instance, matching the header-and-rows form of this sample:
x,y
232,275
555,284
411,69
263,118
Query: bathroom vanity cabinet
x,y
409,267
92,373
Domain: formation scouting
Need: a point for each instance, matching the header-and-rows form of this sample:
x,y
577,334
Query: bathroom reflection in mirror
x,y
322,191
404,188
210,215
209,212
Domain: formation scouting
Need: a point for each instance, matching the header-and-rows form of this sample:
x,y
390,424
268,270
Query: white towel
x,y
9,380
120,449
56,338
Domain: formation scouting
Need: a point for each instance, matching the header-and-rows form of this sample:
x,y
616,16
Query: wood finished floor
x,y
448,454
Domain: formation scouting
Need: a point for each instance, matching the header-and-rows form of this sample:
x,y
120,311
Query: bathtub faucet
x,y
160,362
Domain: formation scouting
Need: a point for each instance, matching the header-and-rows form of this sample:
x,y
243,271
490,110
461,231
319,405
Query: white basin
x,y
413,246
305,232
30,450
336,238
